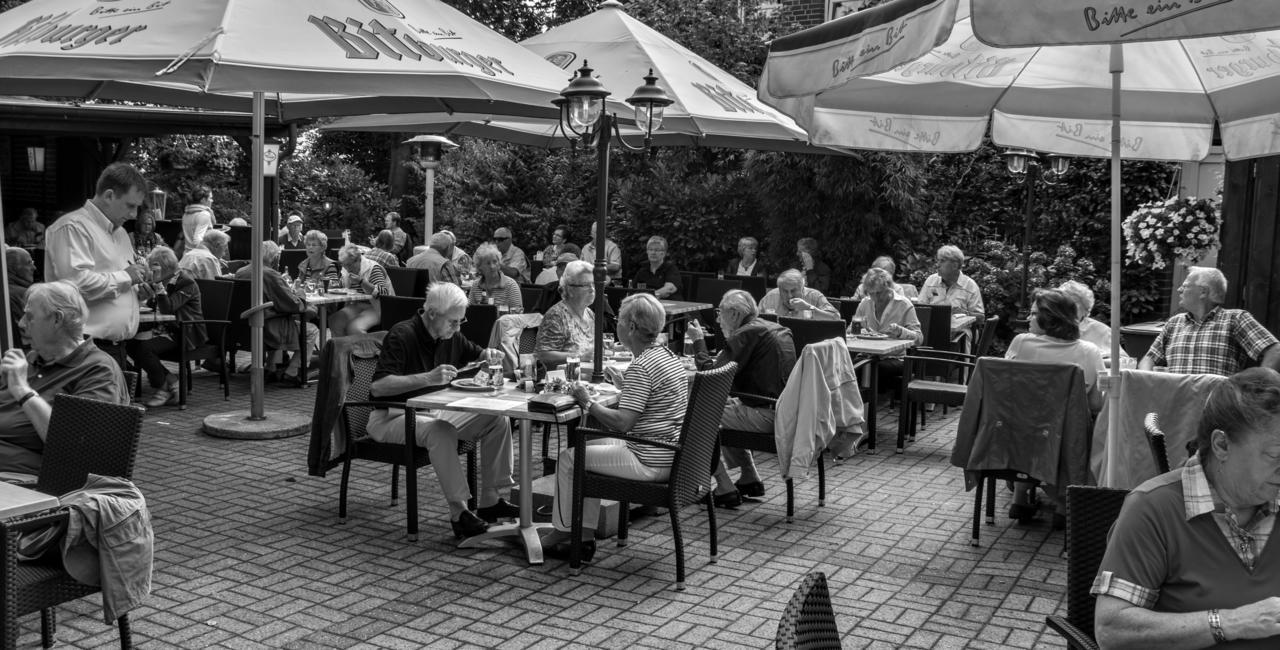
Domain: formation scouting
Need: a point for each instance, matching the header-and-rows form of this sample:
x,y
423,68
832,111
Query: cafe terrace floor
x,y
249,554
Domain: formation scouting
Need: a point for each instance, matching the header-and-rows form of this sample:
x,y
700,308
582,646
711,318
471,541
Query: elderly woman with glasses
x,y
568,327
494,287
651,405
659,274
363,276
144,237
1192,560
317,266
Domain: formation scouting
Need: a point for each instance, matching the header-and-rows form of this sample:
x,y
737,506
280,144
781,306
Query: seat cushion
x,y
938,392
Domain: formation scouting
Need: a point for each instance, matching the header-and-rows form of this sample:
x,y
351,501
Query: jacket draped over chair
x,y
328,443
821,397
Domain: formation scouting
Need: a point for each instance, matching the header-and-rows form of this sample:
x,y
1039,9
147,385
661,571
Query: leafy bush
x,y
356,202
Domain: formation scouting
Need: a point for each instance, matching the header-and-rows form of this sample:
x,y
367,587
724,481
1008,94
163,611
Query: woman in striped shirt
x,y
363,276
494,287
317,266
655,394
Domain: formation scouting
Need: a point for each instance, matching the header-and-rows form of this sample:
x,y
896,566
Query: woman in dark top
x,y
317,266
178,294
659,274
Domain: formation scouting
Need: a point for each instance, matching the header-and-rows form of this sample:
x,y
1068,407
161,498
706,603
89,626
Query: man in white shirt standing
x,y
949,286
88,249
612,257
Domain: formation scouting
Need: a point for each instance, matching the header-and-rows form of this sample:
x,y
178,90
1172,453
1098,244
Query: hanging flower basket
x,y
1161,232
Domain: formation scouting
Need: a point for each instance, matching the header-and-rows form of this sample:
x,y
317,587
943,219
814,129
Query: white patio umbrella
x,y
708,102
320,57
1189,67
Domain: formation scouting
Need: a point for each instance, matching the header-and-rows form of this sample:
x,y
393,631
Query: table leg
x,y
874,369
323,312
526,532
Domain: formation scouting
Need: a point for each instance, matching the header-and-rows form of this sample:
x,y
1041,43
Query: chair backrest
x,y
615,295
215,304
479,325
848,309
335,239
531,296
169,231
241,299
711,290
241,245
528,340
291,259
752,284
804,332
700,433
1155,440
808,622
935,324
987,337
356,418
88,436
409,282
399,308
689,282
1090,513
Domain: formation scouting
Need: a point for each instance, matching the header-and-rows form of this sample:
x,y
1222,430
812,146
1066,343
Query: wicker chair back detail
x,y
88,436
355,418
699,435
1091,511
528,340
1156,441
808,622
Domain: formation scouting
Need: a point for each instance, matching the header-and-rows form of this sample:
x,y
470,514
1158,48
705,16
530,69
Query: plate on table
x,y
145,310
338,292
871,336
470,385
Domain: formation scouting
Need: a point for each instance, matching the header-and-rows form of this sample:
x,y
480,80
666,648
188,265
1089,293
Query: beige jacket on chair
x,y
821,397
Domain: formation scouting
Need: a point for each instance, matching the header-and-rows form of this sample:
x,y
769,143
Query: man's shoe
x,y
212,365
727,500
561,550
753,489
503,509
468,525
160,398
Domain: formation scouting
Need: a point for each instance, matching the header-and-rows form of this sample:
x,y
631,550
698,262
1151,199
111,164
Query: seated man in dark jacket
x,y
765,355
62,360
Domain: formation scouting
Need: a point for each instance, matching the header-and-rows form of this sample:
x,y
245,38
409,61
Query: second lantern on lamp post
x,y
1026,165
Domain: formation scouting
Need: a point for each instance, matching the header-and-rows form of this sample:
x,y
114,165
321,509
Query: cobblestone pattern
x,y
249,554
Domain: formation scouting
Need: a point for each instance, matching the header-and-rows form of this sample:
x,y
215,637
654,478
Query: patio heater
x,y
35,159
1029,167
582,117
430,149
156,200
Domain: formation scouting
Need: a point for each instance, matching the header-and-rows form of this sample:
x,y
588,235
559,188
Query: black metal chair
x,y
1090,513
479,324
85,437
291,259
531,296
925,380
987,337
1156,441
808,622
848,309
169,230
696,453
765,442
399,308
355,418
935,325
689,282
752,284
805,331
215,303
408,282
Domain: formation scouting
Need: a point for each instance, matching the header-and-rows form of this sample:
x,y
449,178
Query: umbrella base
x,y
274,424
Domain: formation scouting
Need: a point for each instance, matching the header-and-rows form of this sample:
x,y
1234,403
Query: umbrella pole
x,y
9,334
1113,392
255,256
603,137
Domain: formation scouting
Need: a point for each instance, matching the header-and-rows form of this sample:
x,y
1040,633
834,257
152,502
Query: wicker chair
x,y
85,437
1090,513
1155,440
767,443
808,622
695,454
355,417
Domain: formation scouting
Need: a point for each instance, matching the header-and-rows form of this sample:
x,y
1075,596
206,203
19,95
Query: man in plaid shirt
x,y
1207,338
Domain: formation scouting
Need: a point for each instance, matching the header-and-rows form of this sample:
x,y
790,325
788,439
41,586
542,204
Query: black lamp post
x,y
1026,166
583,116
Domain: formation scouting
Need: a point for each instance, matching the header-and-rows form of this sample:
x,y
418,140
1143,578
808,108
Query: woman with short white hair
x,y
1091,329
651,405
178,294
205,263
493,287
318,266
363,276
568,327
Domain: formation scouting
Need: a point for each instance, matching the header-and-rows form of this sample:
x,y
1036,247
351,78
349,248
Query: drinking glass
x,y
310,284
495,377
571,368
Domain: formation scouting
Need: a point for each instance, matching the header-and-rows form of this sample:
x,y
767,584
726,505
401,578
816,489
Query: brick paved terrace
x,y
249,554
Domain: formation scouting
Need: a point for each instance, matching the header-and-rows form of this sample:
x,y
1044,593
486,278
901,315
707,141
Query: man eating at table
x,y
792,298
423,355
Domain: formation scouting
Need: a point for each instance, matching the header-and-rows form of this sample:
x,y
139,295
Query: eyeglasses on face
x,y
580,285
501,239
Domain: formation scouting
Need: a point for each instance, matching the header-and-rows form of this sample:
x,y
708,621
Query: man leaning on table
x,y
423,355
950,286
88,249
792,298
1208,339
61,360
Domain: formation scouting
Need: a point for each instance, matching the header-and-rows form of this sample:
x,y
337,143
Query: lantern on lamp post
x,y
1029,167
431,149
583,116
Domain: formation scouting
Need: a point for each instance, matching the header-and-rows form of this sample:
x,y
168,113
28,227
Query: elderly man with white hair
x,y
422,355
205,263
365,276
1091,329
436,260
887,264
792,298
62,360
1207,338
514,262
950,286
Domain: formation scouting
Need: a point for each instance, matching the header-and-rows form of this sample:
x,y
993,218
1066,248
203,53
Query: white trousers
x,y
741,417
439,432
608,456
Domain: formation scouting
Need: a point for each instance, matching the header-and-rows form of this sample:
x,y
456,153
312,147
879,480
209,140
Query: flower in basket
x,y
1161,231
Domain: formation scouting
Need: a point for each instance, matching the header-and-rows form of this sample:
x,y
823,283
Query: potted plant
x,y
1182,229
